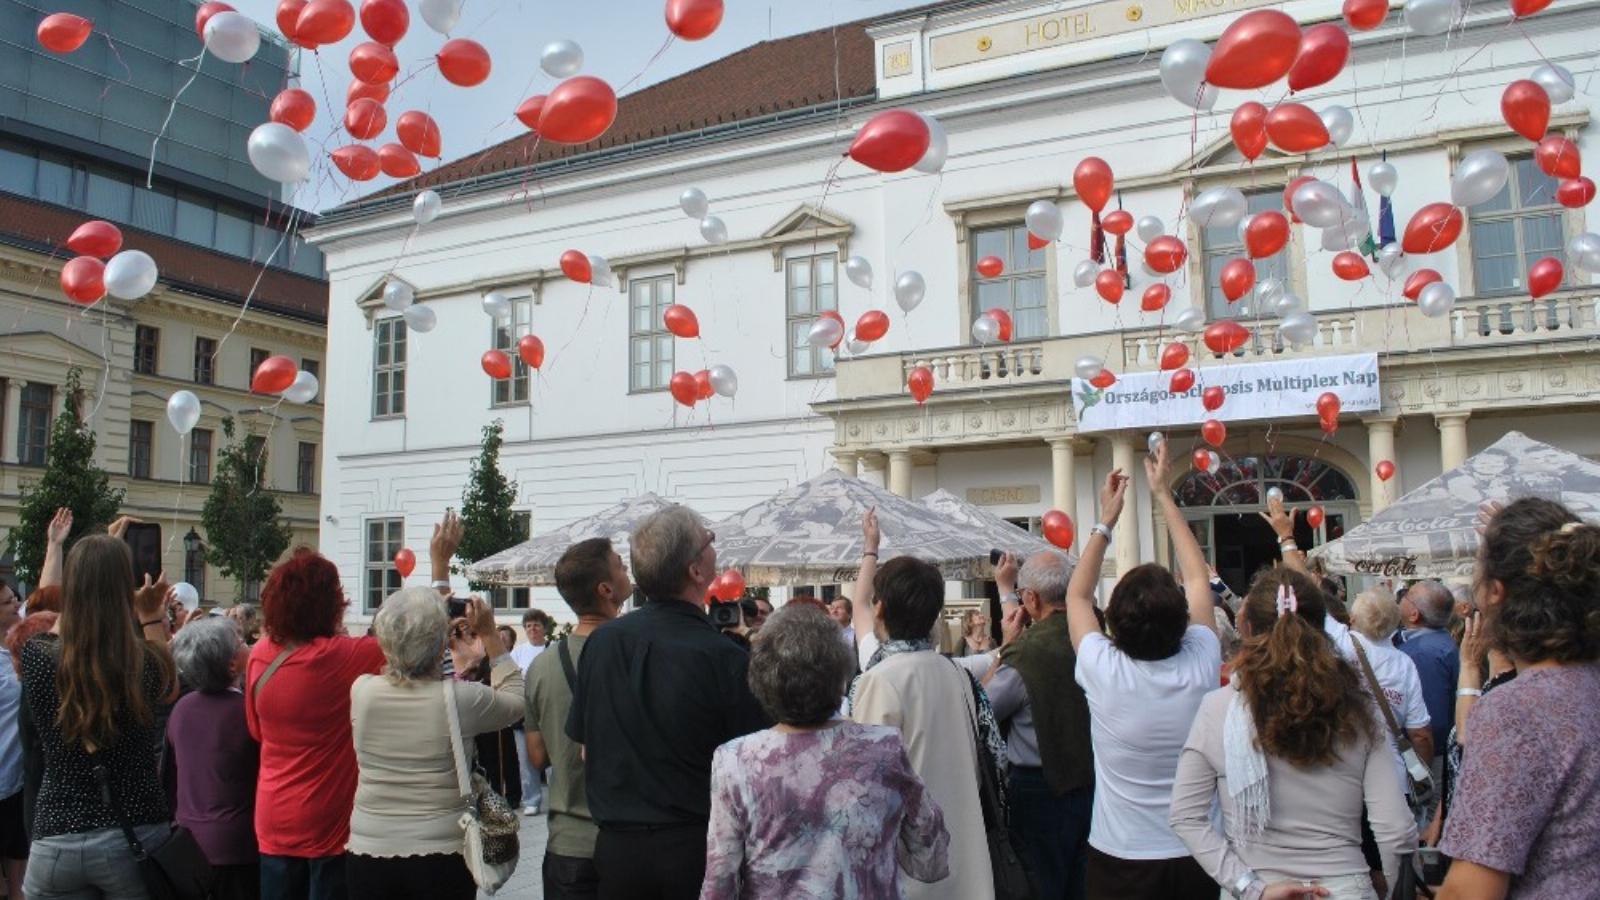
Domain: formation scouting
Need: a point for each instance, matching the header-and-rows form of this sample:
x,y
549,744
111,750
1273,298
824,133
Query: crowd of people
x,y
1167,740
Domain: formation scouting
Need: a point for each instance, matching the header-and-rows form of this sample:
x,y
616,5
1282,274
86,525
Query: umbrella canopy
x,y
1432,531
1000,534
811,533
533,562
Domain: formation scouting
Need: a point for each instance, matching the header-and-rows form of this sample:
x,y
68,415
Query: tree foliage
x,y
488,522
245,531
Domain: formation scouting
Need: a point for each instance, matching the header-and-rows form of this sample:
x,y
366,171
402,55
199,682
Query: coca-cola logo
x,y
1394,565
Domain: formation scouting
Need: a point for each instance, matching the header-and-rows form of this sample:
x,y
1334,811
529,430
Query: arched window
x,y
1245,480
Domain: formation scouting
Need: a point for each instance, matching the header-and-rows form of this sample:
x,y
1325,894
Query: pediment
x,y
807,220
50,348
1223,153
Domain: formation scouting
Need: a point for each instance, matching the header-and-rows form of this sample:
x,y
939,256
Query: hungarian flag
x,y
1369,246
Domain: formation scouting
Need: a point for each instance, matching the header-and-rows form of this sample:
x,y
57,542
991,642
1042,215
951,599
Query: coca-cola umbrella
x,y
533,562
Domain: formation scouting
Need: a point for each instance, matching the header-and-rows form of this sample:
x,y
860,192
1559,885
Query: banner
x,y
1268,390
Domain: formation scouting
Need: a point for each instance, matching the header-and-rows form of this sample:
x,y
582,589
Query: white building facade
x,y
1025,91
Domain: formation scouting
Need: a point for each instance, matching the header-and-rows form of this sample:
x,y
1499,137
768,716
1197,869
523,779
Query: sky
x,y
621,40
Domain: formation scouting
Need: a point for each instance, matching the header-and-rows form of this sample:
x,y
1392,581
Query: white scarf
x,y
1246,771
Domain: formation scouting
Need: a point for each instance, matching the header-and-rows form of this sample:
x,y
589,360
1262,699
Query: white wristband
x,y
1101,529
441,585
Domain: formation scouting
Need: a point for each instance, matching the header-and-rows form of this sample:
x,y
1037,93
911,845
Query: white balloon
x,y
1215,461
1219,207
1084,273
420,319
232,37
1350,231
859,271
397,295
1088,367
185,592
1319,204
1556,81
933,158
1340,124
1149,228
1298,328
1154,441
693,202
714,230
561,59
599,271
426,207
856,347
825,333
1479,178
441,15
1043,219
1583,251
1431,17
130,275
1269,291
986,329
279,153
1384,178
183,411
909,289
1436,300
1391,260
724,380
1183,73
1275,493
1191,320
1286,304
304,389
497,305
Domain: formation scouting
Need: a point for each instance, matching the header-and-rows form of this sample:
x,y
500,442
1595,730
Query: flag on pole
x,y
1385,217
1369,246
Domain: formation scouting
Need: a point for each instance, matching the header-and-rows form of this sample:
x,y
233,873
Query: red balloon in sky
x,y
1575,193
398,162
294,108
991,267
1266,234
1557,157
496,364
1419,279
419,133
96,238
288,17
891,141
1328,404
1182,381
1156,297
1249,129
1349,266
1119,222
1294,128
1166,254
1105,379
683,388
1315,516
83,279
528,112
681,321
359,89
1092,180
693,20
1212,398
1526,108
464,63
1174,356
365,119
1323,51
1238,277
274,376
1225,336
1057,528
1544,276
357,161
373,62
64,32
405,562
1255,50
872,325
325,21
1432,228
204,14
920,383
1202,459
729,586
1384,469
1003,319
1109,285
385,21
1036,243
702,385
1527,7
575,265
578,110
531,349
1214,432
1365,15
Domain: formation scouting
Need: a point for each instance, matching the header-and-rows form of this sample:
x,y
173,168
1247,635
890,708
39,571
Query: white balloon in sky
x,y
859,271
561,59
232,37
185,592
1149,228
497,305
1384,178
599,271
130,275
304,389
693,202
1556,81
279,153
714,230
397,295
426,207
441,15
933,158
1044,219
183,411
420,319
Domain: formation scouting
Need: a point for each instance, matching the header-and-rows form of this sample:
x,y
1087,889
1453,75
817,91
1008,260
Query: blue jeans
x,y
297,878
88,866
1054,831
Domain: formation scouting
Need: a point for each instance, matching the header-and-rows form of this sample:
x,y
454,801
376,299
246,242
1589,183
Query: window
x,y
196,221
62,183
153,210
305,469
385,537
141,441
389,369
18,170
33,423
205,353
649,341
146,345
1223,245
311,366
513,390
110,196
810,289
1020,288
1516,229
257,357
234,234
200,456
255,448
515,597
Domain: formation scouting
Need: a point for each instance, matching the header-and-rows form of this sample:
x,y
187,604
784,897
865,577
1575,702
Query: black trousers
x,y
1054,831
570,878
666,863
440,876
1179,878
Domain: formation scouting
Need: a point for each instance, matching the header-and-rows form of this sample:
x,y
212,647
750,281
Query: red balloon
x,y
1058,530
1432,228
1212,397
83,279
1544,276
64,32
1174,356
693,20
1330,424
1385,470
528,113
1182,381
1105,379
702,385
1225,336
1365,15
1419,280
683,389
398,162
1349,266
1119,222
96,238
1003,318
1575,193
1092,180
358,162
1238,277
575,265
729,586
385,21
373,62
1328,404
496,364
1315,516
679,319
872,325
1557,157
419,133
1249,129
1257,49
991,267
1527,7
531,349
1036,243
1202,459
1166,254
464,63
294,108
1526,108
1109,284
891,141
325,21
920,383
1294,128
204,14
360,89
1288,195
288,17
578,111
274,376
365,119
1324,49
1214,432
1156,297
405,562
1266,234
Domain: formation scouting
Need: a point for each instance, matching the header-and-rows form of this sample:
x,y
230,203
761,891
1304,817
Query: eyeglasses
x,y
711,538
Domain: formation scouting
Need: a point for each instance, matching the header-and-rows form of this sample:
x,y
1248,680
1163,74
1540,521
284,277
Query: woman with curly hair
x,y
1525,821
1295,755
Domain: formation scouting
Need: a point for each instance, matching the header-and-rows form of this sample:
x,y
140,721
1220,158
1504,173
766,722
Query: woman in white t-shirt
x,y
1144,684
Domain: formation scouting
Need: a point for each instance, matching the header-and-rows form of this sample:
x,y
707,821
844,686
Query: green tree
x,y
70,479
245,531
488,523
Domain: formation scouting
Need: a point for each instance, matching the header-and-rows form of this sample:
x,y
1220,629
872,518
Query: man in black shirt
x,y
658,691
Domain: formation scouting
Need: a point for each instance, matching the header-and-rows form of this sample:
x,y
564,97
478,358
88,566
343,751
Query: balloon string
x,y
117,54
294,228
652,61
172,108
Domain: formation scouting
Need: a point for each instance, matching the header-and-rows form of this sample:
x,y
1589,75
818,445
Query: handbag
x,y
176,868
489,826
1012,878
1419,777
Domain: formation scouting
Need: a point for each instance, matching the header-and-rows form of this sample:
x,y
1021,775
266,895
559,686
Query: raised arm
x,y
1282,522
446,538
1080,590
55,539
1192,567
861,601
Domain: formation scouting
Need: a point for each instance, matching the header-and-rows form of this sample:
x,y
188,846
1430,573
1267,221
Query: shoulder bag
x,y
489,825
175,869
1419,777
1012,879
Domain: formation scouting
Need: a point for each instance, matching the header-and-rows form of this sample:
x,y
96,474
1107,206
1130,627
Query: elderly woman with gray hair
x,y
1375,618
815,806
405,839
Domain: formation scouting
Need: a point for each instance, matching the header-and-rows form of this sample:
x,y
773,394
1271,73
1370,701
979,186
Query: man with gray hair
x,y
657,692
1425,615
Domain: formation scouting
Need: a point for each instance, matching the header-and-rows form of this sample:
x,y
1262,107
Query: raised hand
x,y
869,530
119,527
1158,468
60,527
1112,495
150,600
1281,520
1005,574
1012,624
446,536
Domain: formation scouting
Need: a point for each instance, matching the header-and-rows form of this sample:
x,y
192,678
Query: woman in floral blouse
x,y
815,807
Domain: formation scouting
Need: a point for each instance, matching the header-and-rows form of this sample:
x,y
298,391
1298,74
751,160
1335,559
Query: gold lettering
x,y
1051,29
1030,31
1082,24
1183,7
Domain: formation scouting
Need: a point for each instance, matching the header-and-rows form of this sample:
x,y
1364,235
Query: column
x,y
1452,439
1063,483
847,461
872,466
1127,530
8,422
900,473
1380,446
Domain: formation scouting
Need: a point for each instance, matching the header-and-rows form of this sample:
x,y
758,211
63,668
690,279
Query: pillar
x,y
847,461
1380,446
1452,439
1063,479
13,414
900,473
1127,531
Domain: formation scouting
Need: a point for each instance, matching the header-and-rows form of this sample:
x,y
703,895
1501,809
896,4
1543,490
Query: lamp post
x,y
192,548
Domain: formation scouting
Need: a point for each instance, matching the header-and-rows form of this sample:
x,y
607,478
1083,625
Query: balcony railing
x,y
960,367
